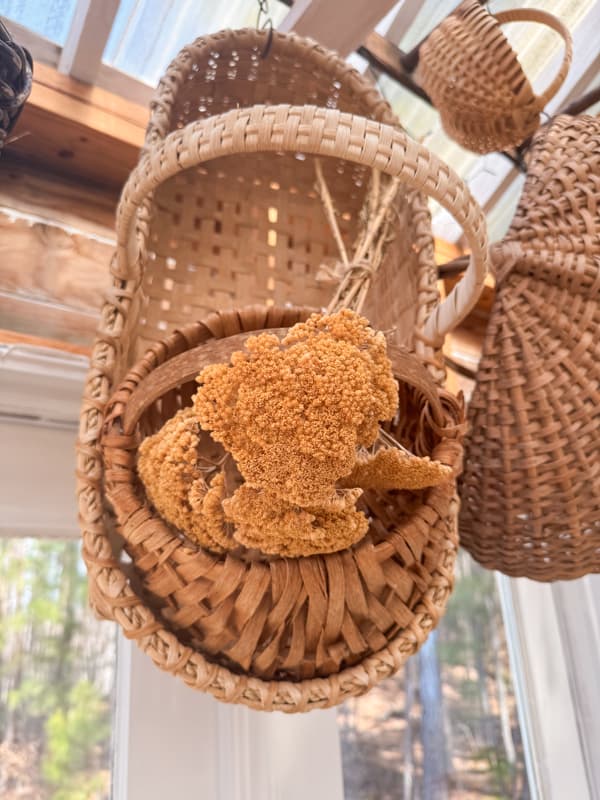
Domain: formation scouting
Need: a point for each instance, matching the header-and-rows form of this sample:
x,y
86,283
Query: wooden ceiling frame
x,y
81,55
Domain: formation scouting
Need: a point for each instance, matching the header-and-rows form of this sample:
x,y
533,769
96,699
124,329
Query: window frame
x,y
104,76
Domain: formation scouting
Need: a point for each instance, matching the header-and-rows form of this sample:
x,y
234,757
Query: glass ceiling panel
x,y
48,18
147,34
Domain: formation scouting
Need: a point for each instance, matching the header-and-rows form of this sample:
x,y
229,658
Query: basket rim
x,y
225,685
325,61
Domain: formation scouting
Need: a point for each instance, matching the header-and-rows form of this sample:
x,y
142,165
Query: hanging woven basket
x,y
224,211
333,616
474,78
531,487
16,77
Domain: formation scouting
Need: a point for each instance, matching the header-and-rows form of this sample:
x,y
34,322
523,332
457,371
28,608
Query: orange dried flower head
x,y
293,412
296,415
389,468
265,521
182,485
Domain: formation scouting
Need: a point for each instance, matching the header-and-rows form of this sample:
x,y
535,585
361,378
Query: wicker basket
x,y
474,78
16,75
531,488
222,212
275,618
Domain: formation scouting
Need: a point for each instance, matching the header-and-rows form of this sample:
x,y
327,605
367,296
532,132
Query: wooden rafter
x,y
78,130
320,19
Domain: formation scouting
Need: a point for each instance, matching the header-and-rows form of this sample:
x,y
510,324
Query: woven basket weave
x,y
531,488
222,212
288,619
16,77
474,78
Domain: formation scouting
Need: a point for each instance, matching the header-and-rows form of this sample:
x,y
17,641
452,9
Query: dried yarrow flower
x,y
390,468
266,522
296,415
184,487
293,412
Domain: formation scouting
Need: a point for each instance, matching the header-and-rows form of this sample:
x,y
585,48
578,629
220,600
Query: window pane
x,y
147,34
49,18
57,672
446,726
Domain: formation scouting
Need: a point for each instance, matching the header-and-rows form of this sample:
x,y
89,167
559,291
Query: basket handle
x,y
544,18
318,131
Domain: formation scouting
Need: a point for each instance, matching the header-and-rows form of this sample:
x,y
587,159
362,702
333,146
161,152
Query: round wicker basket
x,y
287,619
474,78
531,487
222,212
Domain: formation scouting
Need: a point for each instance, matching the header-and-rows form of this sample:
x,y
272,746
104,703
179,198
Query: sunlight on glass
x,y
147,34
57,671
49,18
446,725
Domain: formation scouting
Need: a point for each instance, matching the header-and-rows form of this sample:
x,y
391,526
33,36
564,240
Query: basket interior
x,y
404,541
250,228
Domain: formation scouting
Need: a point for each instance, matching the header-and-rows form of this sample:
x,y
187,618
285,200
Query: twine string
x,y
355,274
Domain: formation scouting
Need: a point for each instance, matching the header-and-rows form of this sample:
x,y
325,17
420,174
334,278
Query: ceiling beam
x,y
82,52
386,56
339,26
79,130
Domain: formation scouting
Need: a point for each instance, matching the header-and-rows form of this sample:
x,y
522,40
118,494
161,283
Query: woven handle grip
x,y
323,132
544,18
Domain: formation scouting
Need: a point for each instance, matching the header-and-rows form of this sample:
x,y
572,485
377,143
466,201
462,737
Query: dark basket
x,y
16,76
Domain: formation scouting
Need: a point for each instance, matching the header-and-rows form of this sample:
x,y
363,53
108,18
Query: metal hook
x,y
267,25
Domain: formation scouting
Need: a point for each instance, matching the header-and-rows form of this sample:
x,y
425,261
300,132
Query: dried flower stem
x,y
368,252
330,213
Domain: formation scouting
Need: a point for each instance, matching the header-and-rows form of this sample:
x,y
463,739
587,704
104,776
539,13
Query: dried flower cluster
x,y
265,521
182,484
389,468
293,413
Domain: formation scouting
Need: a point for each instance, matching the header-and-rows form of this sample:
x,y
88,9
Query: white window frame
x,y
77,61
